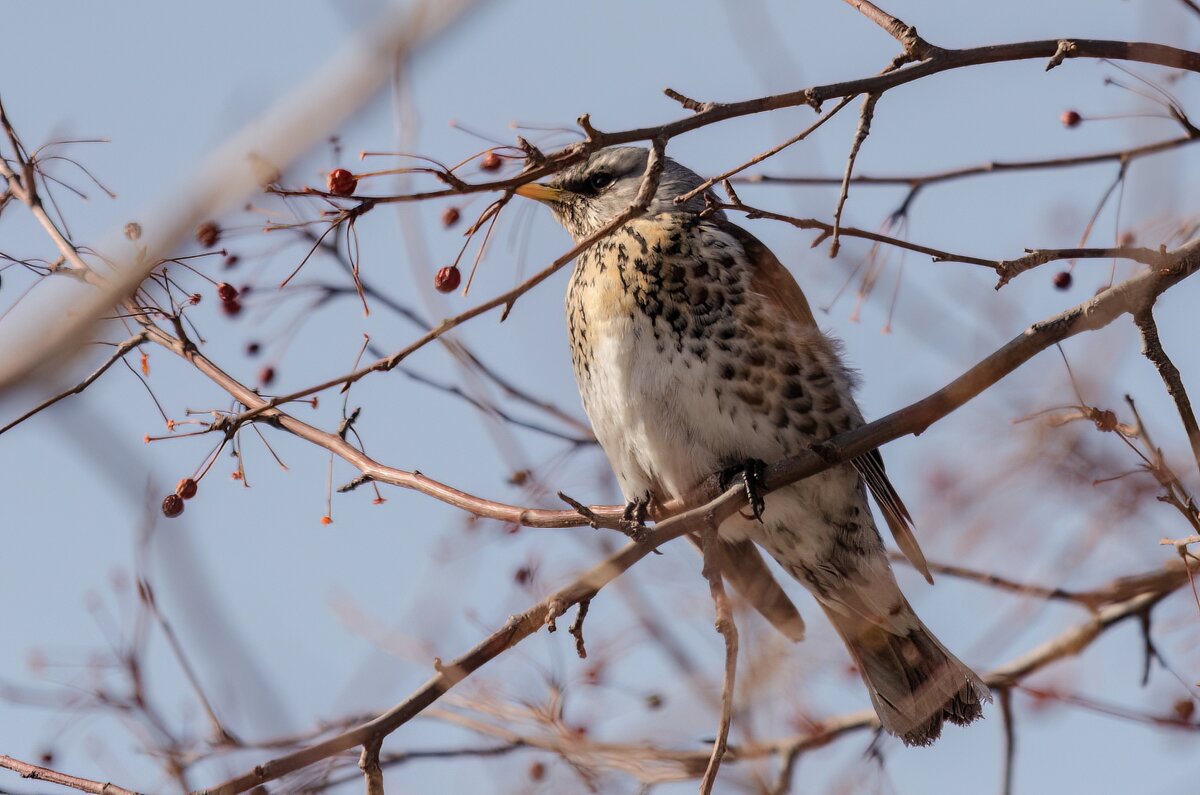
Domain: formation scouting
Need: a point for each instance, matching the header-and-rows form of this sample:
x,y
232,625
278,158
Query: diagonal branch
x,y
122,349
1152,349
39,773
914,46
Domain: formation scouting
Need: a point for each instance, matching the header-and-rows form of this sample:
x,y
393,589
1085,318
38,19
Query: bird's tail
x,y
914,683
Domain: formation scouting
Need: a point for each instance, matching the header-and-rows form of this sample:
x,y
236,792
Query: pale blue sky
x,y
283,615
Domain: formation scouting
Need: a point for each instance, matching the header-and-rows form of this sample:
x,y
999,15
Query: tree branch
x,y
1152,349
39,773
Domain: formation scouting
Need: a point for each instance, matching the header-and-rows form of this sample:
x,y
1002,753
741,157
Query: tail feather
x,y
914,682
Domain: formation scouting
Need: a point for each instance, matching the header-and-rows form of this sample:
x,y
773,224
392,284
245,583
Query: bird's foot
x,y
633,521
751,471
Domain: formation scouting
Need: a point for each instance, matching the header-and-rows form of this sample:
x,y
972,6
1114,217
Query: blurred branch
x,y
252,158
1125,597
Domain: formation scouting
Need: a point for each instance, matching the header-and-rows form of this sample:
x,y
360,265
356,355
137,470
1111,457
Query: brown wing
x,y
870,467
745,570
771,278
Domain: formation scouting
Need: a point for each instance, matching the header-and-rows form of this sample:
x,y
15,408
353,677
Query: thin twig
x,y
914,46
860,135
122,349
1152,349
728,630
39,773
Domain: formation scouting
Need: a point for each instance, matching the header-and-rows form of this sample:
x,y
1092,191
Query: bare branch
x,y
121,349
1152,349
54,777
728,629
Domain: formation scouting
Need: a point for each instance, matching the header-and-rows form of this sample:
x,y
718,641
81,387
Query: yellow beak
x,y
539,192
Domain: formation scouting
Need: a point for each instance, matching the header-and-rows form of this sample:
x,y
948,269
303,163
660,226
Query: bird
x,y
696,353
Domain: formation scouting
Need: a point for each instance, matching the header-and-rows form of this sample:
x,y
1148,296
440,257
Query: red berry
x,y
1062,280
266,375
235,475
227,292
341,182
232,260
447,279
194,298
232,308
537,771
252,349
490,162
1127,238
1070,118
450,216
208,233
172,506
327,520
186,488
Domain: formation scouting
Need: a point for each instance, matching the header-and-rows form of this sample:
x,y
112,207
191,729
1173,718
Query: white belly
x,y
664,418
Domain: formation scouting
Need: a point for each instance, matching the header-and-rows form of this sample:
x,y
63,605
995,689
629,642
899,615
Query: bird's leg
x,y
633,521
751,471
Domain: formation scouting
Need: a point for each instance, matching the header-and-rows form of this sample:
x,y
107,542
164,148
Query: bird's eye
x,y
600,180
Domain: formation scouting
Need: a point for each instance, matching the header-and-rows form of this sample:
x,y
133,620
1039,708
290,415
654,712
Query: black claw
x,y
633,521
752,473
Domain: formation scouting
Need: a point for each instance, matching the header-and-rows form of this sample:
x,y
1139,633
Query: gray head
x,y
588,195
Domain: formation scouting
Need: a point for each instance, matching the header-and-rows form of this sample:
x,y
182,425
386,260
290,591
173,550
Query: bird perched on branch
x,y
696,352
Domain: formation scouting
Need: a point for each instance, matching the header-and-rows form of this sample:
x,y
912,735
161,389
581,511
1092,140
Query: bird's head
x,y
590,194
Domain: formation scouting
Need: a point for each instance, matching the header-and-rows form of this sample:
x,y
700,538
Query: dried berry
x,y
133,230
1127,238
231,260
172,506
266,375
450,216
186,488
1070,118
490,162
341,182
1062,280
252,348
194,298
1105,420
232,308
227,292
208,234
537,771
447,279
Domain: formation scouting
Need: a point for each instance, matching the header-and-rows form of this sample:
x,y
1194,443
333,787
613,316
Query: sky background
x,y
289,621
